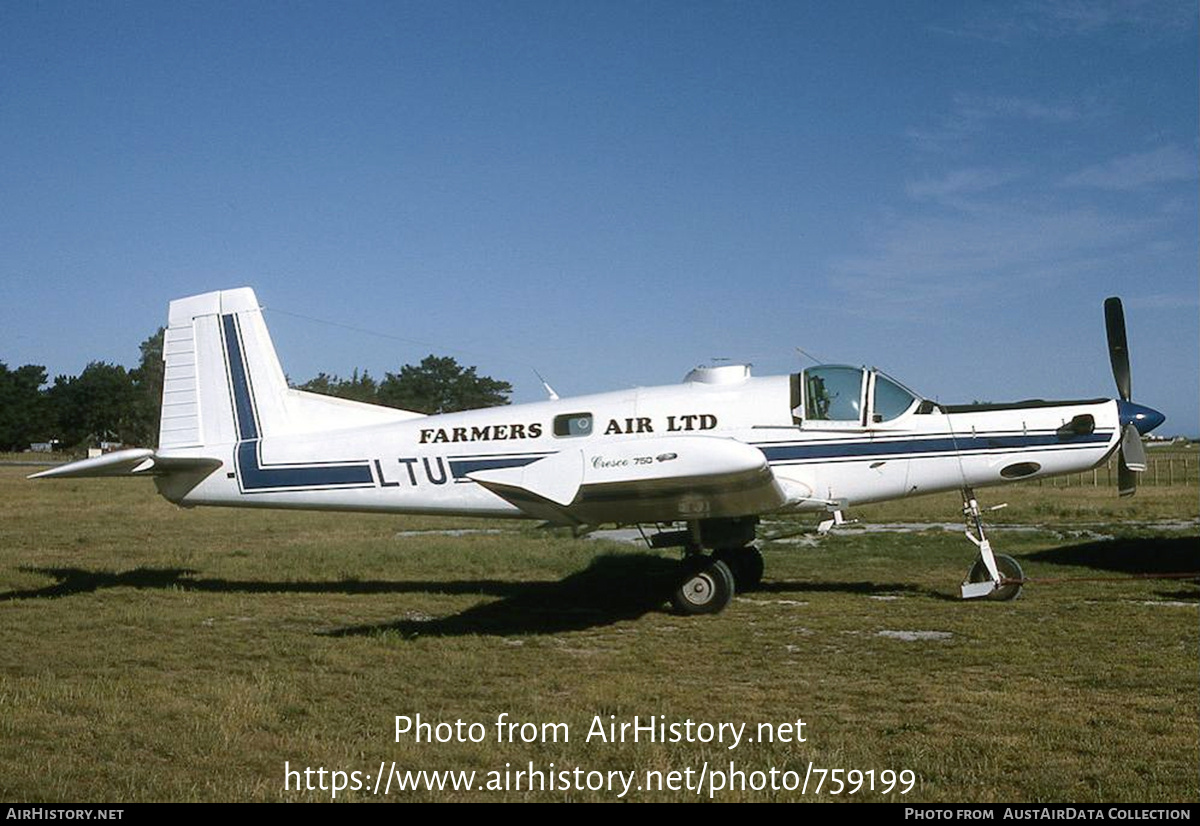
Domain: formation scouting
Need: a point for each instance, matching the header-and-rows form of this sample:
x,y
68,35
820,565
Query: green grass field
x,y
157,654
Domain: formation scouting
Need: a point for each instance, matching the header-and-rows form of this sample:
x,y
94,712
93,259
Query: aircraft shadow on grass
x,y
72,581
1149,557
613,588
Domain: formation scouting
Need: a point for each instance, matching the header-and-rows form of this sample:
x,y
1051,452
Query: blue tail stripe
x,y
253,475
243,399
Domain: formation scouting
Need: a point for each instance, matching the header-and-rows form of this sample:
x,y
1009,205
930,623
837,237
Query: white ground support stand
x,y
837,511
836,521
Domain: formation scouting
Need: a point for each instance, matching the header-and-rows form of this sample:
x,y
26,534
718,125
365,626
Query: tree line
x,y
107,403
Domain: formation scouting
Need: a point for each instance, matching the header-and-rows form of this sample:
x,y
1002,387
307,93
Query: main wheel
x,y
746,564
707,587
1008,568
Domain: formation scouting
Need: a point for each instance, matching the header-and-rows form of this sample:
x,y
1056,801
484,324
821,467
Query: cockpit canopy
x,y
848,395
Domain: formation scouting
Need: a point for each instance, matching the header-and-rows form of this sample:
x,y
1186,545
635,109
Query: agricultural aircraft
x,y
701,461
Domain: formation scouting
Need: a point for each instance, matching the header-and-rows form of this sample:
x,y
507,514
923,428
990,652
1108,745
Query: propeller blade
x,y
1131,460
1126,480
1118,347
1133,454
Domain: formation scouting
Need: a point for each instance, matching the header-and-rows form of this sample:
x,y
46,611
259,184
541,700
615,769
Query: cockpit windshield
x,y
839,393
891,399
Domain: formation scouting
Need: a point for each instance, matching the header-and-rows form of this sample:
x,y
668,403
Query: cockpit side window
x,y
891,400
833,394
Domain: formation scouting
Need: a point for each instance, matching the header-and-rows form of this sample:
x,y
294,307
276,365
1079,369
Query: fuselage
x,y
421,465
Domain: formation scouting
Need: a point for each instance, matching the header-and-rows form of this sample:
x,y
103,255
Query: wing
x,y
660,479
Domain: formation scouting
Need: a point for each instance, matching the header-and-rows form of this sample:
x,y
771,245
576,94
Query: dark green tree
x,y
146,408
441,385
23,408
93,406
357,388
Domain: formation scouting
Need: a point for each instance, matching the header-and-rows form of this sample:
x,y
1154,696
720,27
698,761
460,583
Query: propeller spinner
x,y
1136,419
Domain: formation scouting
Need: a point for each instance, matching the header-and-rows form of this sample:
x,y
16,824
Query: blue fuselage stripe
x,y
852,450
909,448
256,476
461,467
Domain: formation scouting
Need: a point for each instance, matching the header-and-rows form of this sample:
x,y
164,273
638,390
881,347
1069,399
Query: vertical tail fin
x,y
223,382
224,397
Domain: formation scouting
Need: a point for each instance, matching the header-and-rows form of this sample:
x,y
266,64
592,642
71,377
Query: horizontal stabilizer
x,y
132,462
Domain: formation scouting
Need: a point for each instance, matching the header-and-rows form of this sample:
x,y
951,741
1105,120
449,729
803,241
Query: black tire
x,y
746,564
707,587
1008,568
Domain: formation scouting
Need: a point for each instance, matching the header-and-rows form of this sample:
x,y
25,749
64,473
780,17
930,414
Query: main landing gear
x,y
993,576
707,582
706,587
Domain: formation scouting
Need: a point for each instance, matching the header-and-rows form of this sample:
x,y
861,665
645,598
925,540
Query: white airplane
x,y
702,460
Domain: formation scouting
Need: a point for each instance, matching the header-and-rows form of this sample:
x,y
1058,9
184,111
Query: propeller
x,y
1135,419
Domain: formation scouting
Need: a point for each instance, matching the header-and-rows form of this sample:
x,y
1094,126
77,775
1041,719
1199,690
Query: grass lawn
x,y
157,654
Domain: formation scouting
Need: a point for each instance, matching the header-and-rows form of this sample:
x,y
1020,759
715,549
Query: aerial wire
x,y
493,356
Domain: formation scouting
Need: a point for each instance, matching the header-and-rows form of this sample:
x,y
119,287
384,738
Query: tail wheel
x,y
707,587
1008,568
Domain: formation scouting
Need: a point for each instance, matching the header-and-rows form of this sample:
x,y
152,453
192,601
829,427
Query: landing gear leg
x,y
993,576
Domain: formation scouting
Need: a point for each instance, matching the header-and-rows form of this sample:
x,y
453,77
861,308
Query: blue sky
x,y
612,193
